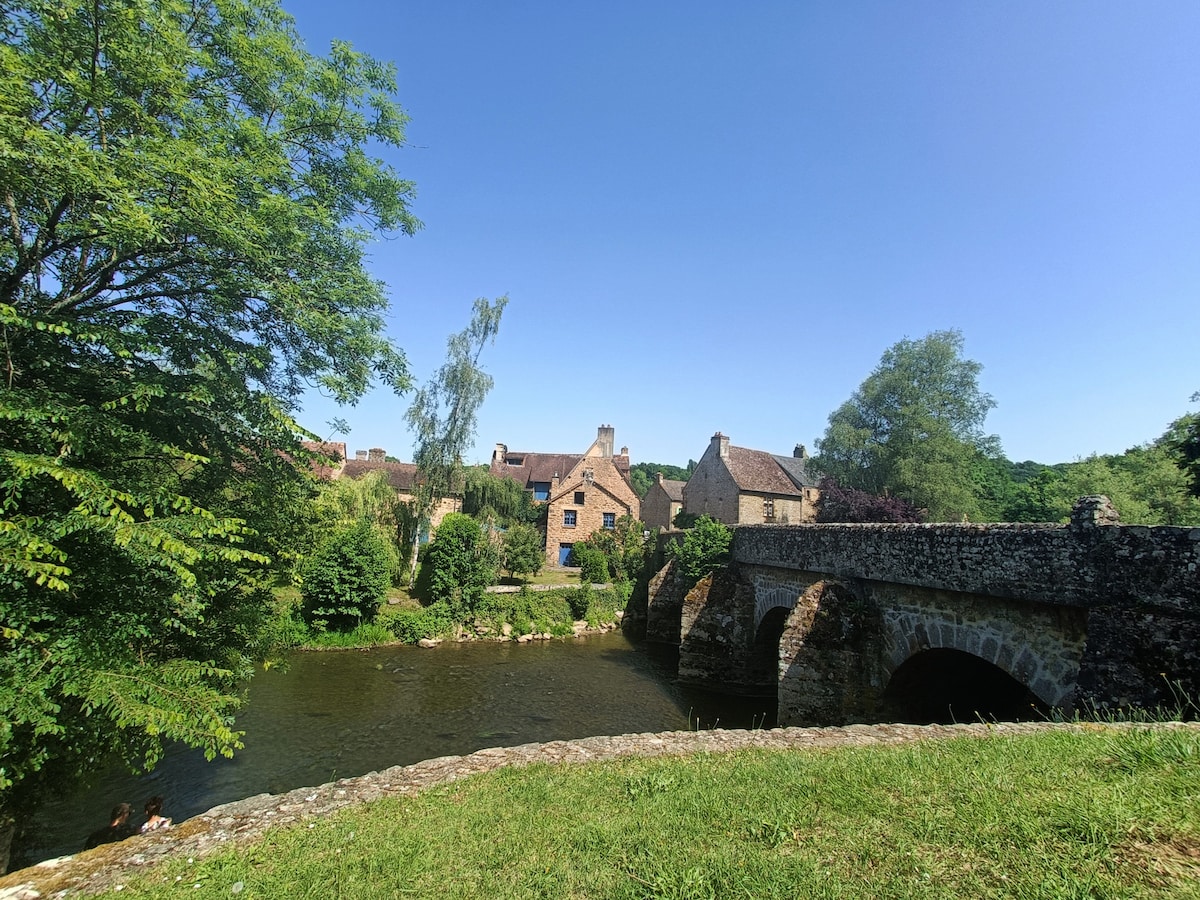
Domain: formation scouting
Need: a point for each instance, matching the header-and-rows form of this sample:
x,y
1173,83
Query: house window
x,y
569,518
610,520
579,498
768,509
541,490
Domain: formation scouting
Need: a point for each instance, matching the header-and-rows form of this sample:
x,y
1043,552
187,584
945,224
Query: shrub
x,y
461,563
592,562
842,504
410,624
346,580
522,550
705,548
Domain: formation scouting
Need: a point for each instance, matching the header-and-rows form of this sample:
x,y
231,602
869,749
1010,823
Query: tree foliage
x,y
914,428
504,497
186,196
1184,442
705,548
643,475
443,412
839,504
460,563
521,551
371,498
347,578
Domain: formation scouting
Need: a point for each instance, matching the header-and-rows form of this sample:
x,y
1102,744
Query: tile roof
x,y
764,473
401,476
535,467
673,488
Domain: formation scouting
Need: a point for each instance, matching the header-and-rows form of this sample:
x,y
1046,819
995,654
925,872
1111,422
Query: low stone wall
x,y
236,824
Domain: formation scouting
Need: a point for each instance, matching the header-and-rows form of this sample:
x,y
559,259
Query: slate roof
x,y
797,470
760,472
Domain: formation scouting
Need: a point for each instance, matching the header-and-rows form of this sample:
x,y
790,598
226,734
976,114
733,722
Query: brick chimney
x,y
721,442
659,476
360,455
499,452
801,452
376,454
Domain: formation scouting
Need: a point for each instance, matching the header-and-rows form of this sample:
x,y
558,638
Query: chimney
x,y
800,452
376,454
498,453
360,455
624,451
605,435
659,476
721,442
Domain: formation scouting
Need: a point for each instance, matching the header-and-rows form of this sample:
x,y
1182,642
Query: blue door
x,y
564,552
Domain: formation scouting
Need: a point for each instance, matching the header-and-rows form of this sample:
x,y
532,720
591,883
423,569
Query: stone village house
x,y
663,502
739,486
583,493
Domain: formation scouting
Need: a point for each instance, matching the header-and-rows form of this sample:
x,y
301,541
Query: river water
x,y
336,714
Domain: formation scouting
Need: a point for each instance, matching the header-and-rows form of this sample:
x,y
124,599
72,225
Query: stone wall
x,y
1111,565
1090,614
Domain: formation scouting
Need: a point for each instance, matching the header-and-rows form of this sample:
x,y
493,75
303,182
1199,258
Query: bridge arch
x,y
1036,645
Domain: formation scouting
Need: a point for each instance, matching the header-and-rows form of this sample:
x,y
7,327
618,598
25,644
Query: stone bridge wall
x,y
1062,564
1090,613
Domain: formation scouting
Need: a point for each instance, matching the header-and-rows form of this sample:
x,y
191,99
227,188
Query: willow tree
x,y
186,197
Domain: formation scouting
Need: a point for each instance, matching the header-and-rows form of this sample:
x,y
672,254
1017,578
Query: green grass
x,y
1054,815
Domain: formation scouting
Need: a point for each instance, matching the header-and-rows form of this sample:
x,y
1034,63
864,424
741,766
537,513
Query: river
x,y
336,714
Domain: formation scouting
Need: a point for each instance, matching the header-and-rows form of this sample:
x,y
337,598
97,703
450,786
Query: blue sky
x,y
717,216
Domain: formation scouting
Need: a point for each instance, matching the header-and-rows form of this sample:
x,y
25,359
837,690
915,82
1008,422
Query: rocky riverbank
x,y
238,823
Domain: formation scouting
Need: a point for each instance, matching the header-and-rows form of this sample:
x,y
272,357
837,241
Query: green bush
x,y
580,599
462,562
592,562
705,548
410,624
346,580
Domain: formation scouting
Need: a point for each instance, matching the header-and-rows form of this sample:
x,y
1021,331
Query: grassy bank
x,y
405,620
1053,815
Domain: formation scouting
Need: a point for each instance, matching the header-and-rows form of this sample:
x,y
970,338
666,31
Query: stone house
x,y
739,486
583,493
662,502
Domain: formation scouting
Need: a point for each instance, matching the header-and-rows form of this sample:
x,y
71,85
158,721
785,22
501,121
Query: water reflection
x,y
336,714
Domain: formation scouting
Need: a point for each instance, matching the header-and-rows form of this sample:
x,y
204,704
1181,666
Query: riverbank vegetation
x,y
1092,813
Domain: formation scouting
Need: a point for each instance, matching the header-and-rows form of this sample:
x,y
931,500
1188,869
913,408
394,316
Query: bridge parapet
x,y
1073,565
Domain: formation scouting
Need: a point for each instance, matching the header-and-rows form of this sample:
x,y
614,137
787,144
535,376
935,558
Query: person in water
x,y
116,830
154,818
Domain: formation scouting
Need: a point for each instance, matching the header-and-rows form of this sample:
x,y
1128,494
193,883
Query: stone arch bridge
x,y
852,623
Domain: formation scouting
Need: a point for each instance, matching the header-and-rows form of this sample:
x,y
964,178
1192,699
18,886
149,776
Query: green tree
x,y
187,194
443,413
1184,443
461,563
505,497
592,561
371,498
347,579
705,547
914,428
643,475
522,550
